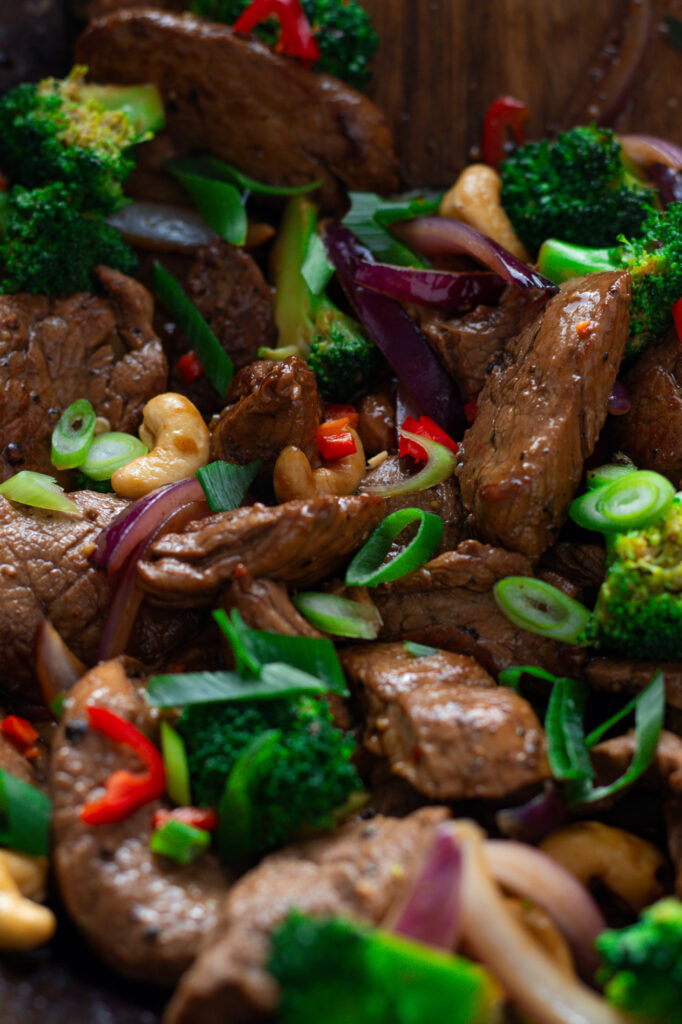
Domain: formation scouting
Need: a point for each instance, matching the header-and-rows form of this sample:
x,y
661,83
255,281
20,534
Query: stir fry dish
x,y
341,588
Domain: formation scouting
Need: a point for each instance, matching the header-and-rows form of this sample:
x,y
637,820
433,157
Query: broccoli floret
x,y
64,130
577,189
48,246
311,775
342,357
339,971
642,964
342,28
639,606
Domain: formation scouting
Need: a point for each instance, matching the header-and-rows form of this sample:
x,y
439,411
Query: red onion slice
x,y
527,872
667,181
162,227
619,400
132,526
57,668
440,289
431,912
645,150
396,335
531,821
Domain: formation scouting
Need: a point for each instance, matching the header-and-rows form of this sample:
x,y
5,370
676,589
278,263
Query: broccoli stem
x,y
560,261
141,104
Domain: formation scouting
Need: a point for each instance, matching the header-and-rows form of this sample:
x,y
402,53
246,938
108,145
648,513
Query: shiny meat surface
x,y
376,423
275,404
229,290
361,870
651,433
626,677
53,351
539,415
444,725
235,98
264,604
582,565
300,543
144,915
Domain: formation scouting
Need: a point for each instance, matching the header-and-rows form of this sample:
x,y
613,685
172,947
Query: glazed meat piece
x,y
275,404
144,915
443,723
469,344
299,542
229,290
361,870
626,677
233,97
583,565
264,604
449,603
53,351
539,415
651,433
376,423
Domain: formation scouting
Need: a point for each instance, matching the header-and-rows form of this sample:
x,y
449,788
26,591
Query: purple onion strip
x,y
619,400
645,150
532,821
431,913
667,181
440,289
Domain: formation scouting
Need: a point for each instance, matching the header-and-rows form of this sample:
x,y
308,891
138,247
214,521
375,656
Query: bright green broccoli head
x,y
342,29
64,130
577,189
311,774
639,607
642,964
342,357
47,246
338,971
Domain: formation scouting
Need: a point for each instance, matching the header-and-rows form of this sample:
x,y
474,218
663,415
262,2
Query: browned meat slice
x,y
228,289
443,499
444,725
53,351
299,542
627,677
583,565
449,603
275,404
361,870
539,416
376,424
265,605
651,433
469,344
144,915
235,98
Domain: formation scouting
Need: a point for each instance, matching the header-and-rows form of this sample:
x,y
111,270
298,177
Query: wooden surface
x,y
441,62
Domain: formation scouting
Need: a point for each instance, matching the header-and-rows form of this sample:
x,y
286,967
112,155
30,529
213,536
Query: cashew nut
x,y
294,477
628,866
23,923
175,432
475,199
29,873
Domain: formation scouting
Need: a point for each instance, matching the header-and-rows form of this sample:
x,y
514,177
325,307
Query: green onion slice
x,y
339,615
109,452
512,676
568,756
419,650
211,166
72,436
179,841
217,364
604,475
317,271
370,216
39,491
25,814
541,608
237,806
177,767
369,568
629,502
225,484
275,682
440,464
561,261
219,203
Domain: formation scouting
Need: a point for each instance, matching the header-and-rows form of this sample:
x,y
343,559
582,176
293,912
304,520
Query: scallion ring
x,y
73,435
368,568
439,466
109,452
604,475
39,491
540,608
176,765
339,615
629,502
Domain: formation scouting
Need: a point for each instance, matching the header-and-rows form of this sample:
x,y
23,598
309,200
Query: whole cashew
x,y
475,199
627,865
174,430
23,923
29,873
294,477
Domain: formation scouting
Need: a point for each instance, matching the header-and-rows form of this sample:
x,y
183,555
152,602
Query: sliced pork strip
x,y
231,96
300,543
144,915
361,870
541,412
444,725
264,604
